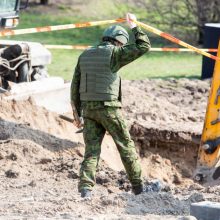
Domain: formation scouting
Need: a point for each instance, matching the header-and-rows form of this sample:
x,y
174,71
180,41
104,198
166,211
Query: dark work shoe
x,y
137,189
85,193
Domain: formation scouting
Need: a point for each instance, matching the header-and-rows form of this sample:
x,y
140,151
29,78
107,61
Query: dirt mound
x,y
175,105
35,117
39,182
40,156
167,155
24,159
166,119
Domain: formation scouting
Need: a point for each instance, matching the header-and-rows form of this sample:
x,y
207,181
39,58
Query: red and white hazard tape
x,y
67,47
169,49
175,40
8,32
96,23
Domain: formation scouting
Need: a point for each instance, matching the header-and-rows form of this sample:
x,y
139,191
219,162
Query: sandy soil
x,y
40,156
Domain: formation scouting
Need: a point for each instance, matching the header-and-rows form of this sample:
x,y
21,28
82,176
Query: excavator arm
x,y
208,163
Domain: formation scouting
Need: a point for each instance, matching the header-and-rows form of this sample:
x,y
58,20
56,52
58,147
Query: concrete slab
x,y
51,93
205,210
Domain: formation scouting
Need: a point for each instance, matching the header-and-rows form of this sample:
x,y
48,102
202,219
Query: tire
x,y
23,73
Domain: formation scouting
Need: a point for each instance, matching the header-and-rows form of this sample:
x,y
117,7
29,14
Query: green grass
x,y
152,65
63,63
164,65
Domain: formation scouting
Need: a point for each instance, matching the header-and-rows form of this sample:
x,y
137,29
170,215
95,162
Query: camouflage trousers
x,y
96,123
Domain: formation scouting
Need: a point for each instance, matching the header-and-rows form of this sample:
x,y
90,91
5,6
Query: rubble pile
x,y
40,156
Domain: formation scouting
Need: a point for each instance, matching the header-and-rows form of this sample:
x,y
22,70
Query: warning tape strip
x,y
96,23
169,49
163,49
175,40
68,47
58,27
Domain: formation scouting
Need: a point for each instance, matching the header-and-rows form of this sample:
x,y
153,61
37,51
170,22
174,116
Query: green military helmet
x,y
118,33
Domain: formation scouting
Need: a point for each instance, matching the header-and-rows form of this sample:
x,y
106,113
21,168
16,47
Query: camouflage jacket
x,y
121,56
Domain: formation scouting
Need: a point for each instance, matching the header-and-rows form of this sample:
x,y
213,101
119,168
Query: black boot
x,y
85,193
137,189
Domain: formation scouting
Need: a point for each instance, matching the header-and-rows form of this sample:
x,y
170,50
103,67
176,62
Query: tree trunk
x,y
44,2
207,12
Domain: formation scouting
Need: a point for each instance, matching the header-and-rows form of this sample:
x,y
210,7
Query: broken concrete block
x,y
205,210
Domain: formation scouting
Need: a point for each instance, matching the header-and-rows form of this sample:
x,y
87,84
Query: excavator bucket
x,y
208,162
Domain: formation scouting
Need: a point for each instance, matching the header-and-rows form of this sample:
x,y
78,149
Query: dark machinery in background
x,y
211,40
19,61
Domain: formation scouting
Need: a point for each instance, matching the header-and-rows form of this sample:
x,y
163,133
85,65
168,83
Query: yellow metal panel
x,y
211,131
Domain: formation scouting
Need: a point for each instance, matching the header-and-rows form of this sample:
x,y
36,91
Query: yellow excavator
x,y
208,162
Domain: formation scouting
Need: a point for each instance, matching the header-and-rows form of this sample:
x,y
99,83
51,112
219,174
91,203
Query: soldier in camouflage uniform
x,y
96,94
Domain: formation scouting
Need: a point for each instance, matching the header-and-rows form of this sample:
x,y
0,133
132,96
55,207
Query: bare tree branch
x,y
194,13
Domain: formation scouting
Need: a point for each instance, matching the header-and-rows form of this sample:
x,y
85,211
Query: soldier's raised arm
x,y
127,53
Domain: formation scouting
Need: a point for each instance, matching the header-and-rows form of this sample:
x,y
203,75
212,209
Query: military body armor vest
x,y
98,82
